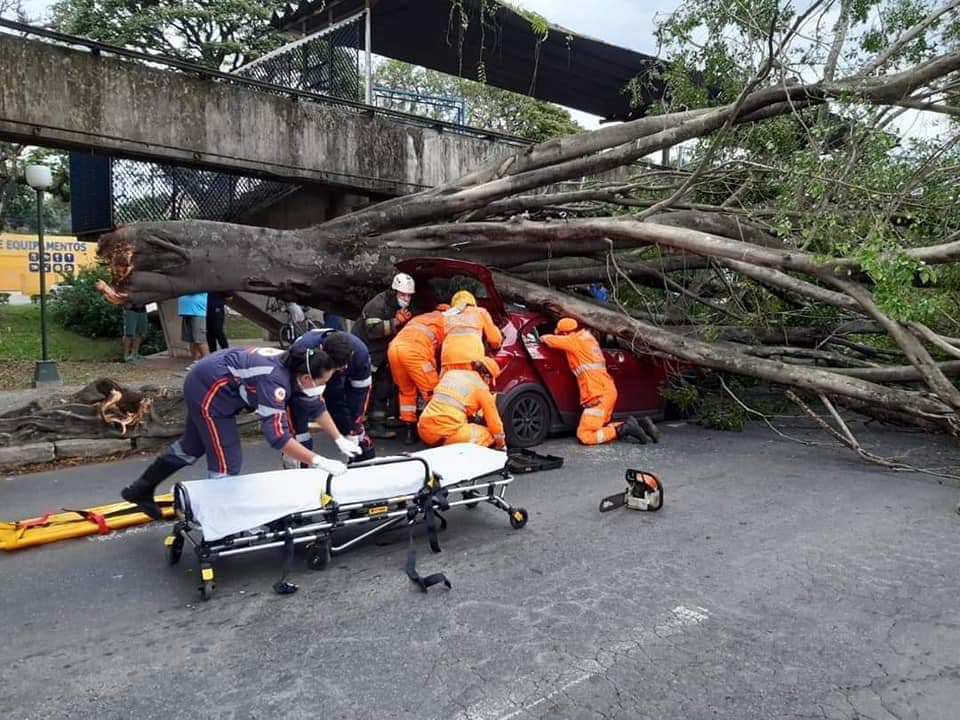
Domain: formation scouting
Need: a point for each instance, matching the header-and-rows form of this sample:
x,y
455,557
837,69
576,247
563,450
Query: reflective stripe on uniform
x,y
423,329
463,330
595,411
461,385
474,433
176,449
366,382
449,400
580,369
267,411
251,372
600,437
300,437
408,408
387,328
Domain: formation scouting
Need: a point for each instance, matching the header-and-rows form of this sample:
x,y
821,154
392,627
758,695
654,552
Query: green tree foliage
x,y
222,34
841,180
488,107
18,201
80,307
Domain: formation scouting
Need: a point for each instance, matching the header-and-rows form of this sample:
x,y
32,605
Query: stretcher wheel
x,y
318,555
518,518
174,548
471,494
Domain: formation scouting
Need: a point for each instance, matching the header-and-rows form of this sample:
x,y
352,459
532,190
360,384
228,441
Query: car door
x,y
638,379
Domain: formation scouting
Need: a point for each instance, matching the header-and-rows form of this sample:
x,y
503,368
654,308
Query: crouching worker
x,y
339,408
412,356
462,396
217,389
598,393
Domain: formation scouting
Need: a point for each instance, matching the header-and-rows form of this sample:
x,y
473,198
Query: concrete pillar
x,y
170,322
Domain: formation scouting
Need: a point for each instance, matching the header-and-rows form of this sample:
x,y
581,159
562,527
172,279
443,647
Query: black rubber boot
x,y
631,428
140,492
380,432
649,428
410,434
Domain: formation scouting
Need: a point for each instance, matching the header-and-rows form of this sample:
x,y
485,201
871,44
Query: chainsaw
x,y
644,492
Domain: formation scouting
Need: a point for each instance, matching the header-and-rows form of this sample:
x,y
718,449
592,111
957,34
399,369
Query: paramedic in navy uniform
x,y
221,386
346,394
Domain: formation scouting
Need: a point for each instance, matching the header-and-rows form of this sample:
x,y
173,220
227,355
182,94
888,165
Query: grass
x,y
238,327
81,359
20,338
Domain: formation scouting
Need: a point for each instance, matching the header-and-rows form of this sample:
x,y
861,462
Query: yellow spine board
x,y
65,525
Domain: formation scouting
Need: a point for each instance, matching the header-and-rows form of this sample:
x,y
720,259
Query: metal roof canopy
x,y
569,69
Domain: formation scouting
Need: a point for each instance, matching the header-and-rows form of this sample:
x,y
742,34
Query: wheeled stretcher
x,y
227,516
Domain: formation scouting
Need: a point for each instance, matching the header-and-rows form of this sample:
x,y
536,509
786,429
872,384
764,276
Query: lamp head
x,y
39,177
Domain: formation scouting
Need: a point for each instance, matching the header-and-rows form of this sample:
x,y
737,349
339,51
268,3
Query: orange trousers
x,y
468,433
595,427
412,372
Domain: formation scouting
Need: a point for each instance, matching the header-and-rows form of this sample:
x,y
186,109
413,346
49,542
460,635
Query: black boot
x,y
631,428
650,429
140,492
410,433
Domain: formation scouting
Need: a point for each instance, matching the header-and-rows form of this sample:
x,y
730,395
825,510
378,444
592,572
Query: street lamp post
x,y
45,372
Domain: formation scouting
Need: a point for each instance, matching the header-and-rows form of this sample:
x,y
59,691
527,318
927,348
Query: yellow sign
x,y
20,260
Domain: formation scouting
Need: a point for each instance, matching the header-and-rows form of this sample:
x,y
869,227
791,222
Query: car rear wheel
x,y
527,420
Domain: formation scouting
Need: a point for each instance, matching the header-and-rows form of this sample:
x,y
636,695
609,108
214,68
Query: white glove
x,y
348,448
334,467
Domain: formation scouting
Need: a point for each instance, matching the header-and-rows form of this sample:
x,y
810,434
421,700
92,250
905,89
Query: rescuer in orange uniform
x,y
598,393
465,327
412,357
459,397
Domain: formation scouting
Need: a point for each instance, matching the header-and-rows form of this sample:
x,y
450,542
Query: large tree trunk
x,y
690,254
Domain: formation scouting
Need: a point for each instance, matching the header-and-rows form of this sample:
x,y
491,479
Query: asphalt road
x,y
779,581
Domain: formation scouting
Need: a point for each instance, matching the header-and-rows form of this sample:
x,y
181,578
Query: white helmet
x,y
403,283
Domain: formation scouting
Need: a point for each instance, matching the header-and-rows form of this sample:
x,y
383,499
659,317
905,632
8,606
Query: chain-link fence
x,y
327,62
439,107
144,192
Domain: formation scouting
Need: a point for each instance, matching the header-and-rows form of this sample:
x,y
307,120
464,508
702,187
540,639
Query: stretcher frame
x,y
316,527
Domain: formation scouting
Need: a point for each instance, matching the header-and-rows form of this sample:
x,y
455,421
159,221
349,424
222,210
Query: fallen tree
x,y
102,409
776,238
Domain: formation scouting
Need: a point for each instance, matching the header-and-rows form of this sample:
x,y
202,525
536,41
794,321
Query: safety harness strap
x,y
429,501
96,518
284,586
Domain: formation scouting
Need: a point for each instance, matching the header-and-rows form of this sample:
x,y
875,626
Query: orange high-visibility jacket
x,y
586,361
421,336
457,398
464,331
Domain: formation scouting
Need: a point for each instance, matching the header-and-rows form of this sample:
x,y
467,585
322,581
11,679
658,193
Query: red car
x,y
536,393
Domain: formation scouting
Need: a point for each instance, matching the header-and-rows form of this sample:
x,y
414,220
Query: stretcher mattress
x,y
230,505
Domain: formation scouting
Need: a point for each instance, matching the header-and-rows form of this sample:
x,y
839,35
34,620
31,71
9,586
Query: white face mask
x,y
315,391
402,302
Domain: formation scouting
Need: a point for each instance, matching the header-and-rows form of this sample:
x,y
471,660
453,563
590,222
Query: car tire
x,y
527,420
